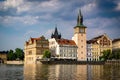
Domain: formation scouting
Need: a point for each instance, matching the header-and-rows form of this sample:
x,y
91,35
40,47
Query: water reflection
x,y
71,72
35,72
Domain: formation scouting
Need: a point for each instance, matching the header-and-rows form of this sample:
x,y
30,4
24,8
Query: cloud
x,y
49,32
29,20
21,6
100,25
118,6
31,33
89,7
12,3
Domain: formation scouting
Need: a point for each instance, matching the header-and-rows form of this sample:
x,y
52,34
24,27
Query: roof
x,y
66,42
94,40
115,40
35,38
32,39
98,37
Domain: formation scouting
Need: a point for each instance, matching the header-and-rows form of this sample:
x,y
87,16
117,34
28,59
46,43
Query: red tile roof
x,y
35,38
32,39
115,40
66,42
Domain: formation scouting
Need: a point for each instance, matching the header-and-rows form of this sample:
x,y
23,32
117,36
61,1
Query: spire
x,y
80,19
56,35
56,31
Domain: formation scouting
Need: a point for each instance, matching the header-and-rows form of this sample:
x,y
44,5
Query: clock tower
x,y
80,38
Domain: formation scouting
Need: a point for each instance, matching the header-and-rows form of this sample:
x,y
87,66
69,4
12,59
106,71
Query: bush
x,y
46,54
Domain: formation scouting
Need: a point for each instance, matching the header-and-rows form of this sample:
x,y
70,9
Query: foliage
x,y
109,55
106,55
11,55
17,55
46,54
116,54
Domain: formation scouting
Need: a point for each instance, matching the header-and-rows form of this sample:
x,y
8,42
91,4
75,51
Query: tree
x,y
116,53
19,54
106,55
11,55
46,54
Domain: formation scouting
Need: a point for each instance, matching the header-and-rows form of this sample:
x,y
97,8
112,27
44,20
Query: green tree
x,y
46,54
116,54
19,54
106,55
11,55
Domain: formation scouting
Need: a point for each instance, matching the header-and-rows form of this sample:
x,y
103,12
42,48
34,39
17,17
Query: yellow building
x,y
97,45
3,56
80,38
34,49
116,44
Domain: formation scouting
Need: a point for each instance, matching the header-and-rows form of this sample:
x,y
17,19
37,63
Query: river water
x,y
60,72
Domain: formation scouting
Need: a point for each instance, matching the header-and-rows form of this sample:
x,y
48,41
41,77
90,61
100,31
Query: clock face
x,y
81,30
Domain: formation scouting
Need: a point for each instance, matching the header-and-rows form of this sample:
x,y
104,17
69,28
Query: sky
x,y
22,19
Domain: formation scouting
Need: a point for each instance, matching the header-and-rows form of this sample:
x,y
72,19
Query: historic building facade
x,y
97,46
93,51
3,56
34,49
62,48
80,38
116,43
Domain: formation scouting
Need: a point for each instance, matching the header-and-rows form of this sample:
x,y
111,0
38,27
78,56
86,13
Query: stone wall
x,y
15,62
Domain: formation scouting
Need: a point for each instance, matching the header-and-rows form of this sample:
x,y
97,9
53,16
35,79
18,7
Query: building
x,y
34,49
3,56
116,43
80,38
62,48
97,45
89,52
93,51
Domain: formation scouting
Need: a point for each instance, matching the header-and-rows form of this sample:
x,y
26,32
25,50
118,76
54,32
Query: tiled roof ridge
x,y
65,42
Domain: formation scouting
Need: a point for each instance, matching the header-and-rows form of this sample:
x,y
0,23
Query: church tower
x,y
80,38
56,35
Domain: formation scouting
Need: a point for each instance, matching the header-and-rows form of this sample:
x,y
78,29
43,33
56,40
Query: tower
x,y
80,38
56,35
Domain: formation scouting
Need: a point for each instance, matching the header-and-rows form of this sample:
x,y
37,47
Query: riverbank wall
x,y
112,61
15,62
73,62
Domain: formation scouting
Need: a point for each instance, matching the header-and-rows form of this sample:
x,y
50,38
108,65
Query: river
x,y
60,72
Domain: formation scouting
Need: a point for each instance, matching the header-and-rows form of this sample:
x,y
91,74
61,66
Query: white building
x,y
63,48
89,52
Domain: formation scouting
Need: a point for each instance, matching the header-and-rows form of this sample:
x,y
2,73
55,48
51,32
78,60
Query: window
x,y
81,30
81,40
81,46
81,52
30,52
